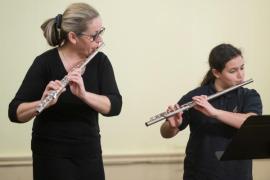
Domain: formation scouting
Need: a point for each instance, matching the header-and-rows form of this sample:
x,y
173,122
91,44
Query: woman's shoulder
x,y
44,59
101,58
248,92
47,55
202,90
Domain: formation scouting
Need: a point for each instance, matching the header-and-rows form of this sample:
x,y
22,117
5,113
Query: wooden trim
x,y
142,159
120,159
15,161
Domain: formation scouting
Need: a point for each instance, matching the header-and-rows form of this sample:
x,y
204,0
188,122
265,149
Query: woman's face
x,y
232,74
90,40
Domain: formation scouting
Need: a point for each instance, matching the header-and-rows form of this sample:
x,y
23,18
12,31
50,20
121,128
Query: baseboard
x,y
15,161
143,158
119,159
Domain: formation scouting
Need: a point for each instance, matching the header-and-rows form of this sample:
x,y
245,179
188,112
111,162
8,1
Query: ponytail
x,y
208,78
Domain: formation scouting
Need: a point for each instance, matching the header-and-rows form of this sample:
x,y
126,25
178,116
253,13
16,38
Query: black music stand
x,y
252,141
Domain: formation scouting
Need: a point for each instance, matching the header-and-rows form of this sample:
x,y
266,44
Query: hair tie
x,y
58,21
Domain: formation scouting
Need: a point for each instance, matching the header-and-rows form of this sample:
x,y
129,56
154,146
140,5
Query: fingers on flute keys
x,y
173,108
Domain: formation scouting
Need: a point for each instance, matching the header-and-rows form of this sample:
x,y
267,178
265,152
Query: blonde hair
x,y
74,19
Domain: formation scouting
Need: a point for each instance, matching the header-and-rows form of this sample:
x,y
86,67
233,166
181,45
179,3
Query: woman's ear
x,y
72,37
216,73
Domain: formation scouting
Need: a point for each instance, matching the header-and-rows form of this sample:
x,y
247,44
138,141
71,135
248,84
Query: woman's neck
x,y
69,57
69,54
219,86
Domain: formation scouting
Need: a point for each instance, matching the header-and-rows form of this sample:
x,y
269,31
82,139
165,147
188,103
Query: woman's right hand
x,y
175,120
170,127
52,86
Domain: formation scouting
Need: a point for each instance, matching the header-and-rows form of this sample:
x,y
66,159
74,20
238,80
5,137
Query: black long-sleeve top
x,y
70,127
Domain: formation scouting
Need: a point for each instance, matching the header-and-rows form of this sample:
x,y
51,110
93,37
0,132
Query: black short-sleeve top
x,y
208,135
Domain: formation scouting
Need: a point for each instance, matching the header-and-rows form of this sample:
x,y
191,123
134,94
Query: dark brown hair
x,y
218,58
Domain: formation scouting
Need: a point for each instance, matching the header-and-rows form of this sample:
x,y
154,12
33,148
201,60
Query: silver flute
x,y
191,104
53,94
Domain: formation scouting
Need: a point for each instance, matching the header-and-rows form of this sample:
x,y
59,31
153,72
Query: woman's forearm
x,y
232,119
99,103
26,111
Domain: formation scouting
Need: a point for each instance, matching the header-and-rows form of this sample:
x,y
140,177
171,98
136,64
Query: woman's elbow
x,y
116,107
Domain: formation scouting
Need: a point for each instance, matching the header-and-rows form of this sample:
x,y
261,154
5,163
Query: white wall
x,y
158,49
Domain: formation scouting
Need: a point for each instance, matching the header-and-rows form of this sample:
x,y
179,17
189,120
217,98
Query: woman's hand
x,y
175,120
52,86
76,83
170,127
204,106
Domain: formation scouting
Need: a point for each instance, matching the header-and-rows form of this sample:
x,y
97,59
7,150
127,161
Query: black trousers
x,y
61,168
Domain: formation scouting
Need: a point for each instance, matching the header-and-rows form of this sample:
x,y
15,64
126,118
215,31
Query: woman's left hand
x,y
204,106
76,83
